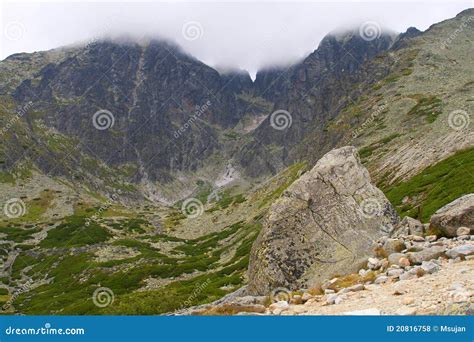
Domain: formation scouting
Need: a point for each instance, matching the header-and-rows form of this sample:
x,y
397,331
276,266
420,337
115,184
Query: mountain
x,y
136,168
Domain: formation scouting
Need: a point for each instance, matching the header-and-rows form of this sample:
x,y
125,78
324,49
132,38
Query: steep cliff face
x,y
150,92
311,93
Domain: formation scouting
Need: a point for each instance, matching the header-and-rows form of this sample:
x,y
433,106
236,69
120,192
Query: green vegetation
x,y
428,106
434,187
74,232
288,177
17,234
367,151
76,276
7,177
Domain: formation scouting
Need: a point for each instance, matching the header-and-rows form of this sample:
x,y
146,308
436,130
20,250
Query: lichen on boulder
x,y
324,224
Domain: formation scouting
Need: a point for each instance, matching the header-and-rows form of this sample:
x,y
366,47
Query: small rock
x,y
306,296
338,300
357,287
404,262
430,266
393,246
416,238
408,300
373,263
363,272
328,283
329,291
431,238
396,273
426,254
460,251
454,215
381,279
331,299
296,299
364,312
406,311
394,258
407,276
282,305
463,231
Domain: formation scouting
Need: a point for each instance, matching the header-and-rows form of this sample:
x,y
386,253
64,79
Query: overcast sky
x,y
239,35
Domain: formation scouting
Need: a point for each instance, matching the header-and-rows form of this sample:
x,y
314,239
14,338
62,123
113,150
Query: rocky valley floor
x,y
438,286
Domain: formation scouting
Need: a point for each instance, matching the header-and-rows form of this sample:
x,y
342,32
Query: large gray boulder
x,y
459,213
325,224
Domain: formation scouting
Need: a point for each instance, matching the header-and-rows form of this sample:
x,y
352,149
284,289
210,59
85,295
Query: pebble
x,y
330,299
356,287
282,305
381,279
363,312
463,250
463,231
406,311
408,300
396,273
430,266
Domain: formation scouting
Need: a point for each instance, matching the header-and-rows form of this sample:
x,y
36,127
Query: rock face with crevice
x,y
325,224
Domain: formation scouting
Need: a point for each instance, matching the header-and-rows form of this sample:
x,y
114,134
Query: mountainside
x,y
135,170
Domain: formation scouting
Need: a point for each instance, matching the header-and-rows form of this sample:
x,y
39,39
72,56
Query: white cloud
x,y
238,35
